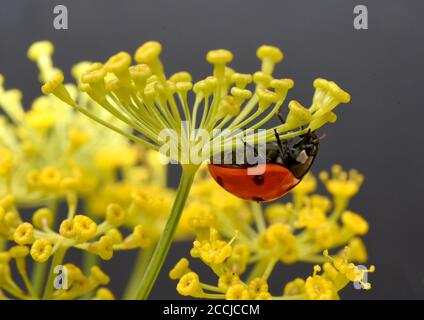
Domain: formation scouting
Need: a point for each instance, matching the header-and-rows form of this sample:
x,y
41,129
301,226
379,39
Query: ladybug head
x,y
298,154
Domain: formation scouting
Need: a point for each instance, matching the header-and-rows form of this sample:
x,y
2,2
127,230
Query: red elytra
x,y
271,182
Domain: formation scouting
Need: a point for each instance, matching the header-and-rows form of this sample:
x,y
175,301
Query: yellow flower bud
x,y
266,98
298,115
51,178
148,52
183,86
180,269
241,80
115,214
95,73
12,219
219,56
262,79
295,287
5,257
119,62
270,52
39,49
182,76
19,252
189,285
67,229
53,84
6,161
114,235
79,69
8,202
42,218
99,276
355,223
104,294
318,122
237,292
257,286
24,234
85,228
41,250
140,73
103,248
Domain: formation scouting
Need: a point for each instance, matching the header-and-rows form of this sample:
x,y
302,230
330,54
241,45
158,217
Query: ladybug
x,y
286,164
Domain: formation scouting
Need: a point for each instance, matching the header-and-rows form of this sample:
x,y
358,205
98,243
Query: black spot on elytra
x,y
258,180
258,199
220,181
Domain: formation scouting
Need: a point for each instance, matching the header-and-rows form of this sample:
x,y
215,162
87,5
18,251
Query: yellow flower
x,y
24,234
189,285
306,186
99,276
41,250
199,215
257,286
104,294
310,217
320,202
138,238
318,288
115,215
342,184
114,235
263,296
6,161
227,279
327,235
358,251
67,229
50,178
5,257
237,292
103,248
19,252
279,212
84,227
295,287
283,243
180,269
42,218
355,223
349,270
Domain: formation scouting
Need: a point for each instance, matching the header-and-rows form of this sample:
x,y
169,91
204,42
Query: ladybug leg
x,y
280,117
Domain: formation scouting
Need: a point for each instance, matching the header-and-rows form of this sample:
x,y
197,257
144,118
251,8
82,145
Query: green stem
x,y
38,274
259,217
88,260
258,269
161,251
139,268
57,260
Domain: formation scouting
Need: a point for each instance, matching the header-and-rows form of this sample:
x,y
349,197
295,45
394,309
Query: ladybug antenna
x,y
322,137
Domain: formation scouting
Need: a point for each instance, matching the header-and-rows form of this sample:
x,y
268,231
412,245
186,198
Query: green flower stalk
x,y
141,103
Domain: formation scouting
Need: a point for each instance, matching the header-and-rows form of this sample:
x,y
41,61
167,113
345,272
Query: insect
x,y
284,167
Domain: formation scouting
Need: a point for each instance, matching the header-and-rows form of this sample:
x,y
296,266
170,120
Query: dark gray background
x,y
379,132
